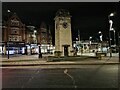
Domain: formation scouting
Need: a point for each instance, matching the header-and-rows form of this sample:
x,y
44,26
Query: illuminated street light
x,y
90,43
76,38
90,39
100,35
111,23
112,14
35,31
8,11
99,32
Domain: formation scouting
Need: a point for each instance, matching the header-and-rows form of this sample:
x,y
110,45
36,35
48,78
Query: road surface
x,y
61,76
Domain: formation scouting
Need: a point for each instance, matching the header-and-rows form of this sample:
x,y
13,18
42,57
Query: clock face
x,y
65,24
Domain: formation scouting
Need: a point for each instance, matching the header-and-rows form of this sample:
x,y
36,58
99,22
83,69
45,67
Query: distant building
x,y
45,38
90,47
42,34
32,45
20,39
13,35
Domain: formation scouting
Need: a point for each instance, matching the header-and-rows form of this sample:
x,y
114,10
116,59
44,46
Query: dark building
x,y
20,39
45,38
13,35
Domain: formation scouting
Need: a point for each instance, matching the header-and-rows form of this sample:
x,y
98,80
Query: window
x,y
15,38
43,41
14,30
14,23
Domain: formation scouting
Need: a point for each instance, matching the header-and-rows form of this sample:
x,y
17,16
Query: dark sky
x,y
88,17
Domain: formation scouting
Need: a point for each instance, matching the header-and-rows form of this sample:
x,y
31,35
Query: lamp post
x,y
8,36
100,36
114,38
90,39
100,39
119,45
112,29
111,22
8,48
90,43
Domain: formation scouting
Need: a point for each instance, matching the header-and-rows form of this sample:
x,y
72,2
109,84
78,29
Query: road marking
x,y
30,79
66,72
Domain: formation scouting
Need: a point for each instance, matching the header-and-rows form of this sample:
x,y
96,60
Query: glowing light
x,y
99,32
8,10
35,31
90,37
112,14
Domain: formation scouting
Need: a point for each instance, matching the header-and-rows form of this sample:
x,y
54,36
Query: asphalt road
x,y
61,76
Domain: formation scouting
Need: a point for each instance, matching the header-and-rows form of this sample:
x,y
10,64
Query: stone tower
x,y
63,37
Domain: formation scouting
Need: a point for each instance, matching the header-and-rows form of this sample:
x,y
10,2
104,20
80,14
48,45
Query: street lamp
x,y
112,29
112,14
111,23
35,31
100,36
99,32
8,10
114,38
119,45
8,36
90,43
90,39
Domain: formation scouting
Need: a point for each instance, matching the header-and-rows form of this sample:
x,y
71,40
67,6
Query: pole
x,y
114,39
40,54
8,49
110,38
110,44
79,35
30,49
119,45
25,50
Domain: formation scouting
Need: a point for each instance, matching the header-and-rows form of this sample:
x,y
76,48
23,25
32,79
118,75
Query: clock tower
x,y
63,37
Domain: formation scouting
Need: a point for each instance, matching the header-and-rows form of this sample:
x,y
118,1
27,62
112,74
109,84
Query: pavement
x,y
33,60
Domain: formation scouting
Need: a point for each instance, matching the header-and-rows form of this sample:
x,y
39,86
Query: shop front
x,y
32,49
13,48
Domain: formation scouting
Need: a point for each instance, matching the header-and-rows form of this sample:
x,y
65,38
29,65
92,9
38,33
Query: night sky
x,y
88,17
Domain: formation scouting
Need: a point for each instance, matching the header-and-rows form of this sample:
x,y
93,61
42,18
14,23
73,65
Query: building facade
x,y
45,38
20,39
14,36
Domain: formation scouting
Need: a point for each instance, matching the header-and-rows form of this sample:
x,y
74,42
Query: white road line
x,y
66,72
30,79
